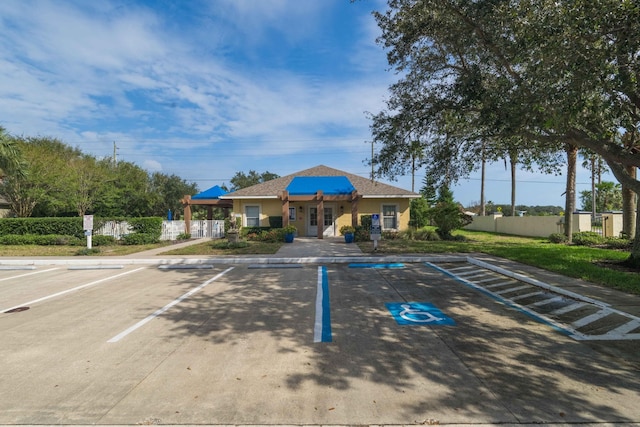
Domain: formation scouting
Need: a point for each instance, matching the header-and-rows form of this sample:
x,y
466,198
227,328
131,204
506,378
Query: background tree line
x,y
44,177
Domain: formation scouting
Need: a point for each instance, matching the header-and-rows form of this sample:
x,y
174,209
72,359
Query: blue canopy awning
x,y
212,193
329,185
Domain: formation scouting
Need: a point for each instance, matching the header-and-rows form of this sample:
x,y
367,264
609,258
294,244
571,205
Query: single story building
x,y
319,201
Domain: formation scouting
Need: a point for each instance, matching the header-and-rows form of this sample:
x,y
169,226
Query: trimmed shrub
x,y
140,239
271,235
253,230
391,235
42,240
588,238
363,231
362,234
148,225
42,226
18,239
616,243
100,240
145,231
558,238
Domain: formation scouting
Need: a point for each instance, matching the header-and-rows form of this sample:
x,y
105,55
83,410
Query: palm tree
x,y
11,161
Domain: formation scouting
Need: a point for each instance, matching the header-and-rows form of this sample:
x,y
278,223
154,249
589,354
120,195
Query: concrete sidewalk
x,y
314,247
302,247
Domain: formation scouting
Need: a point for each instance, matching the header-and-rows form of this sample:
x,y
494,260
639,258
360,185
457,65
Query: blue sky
x,y
207,88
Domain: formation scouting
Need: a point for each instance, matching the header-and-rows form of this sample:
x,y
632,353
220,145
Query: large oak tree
x,y
556,73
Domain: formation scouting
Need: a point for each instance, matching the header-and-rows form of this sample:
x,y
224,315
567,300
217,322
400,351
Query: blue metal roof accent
x,y
212,193
330,185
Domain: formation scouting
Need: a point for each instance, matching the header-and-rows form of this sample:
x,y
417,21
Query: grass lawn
x,y
223,247
573,261
34,250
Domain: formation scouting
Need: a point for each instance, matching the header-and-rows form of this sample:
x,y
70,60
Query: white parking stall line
x,y
472,273
77,288
475,275
568,308
546,301
28,274
497,285
591,318
167,307
625,328
465,267
488,279
517,288
530,294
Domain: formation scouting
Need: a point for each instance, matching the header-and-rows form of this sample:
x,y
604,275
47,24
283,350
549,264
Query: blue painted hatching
x,y
377,265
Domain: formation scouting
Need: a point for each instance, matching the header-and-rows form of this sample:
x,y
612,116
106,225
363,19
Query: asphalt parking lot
x,y
258,344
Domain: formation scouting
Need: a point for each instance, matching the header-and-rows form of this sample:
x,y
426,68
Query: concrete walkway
x,y
313,247
301,247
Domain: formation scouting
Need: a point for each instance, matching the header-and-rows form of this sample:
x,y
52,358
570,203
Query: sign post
x,y
376,230
87,225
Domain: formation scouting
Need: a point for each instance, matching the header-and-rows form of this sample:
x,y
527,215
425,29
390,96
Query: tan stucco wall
x,y
371,206
542,226
268,207
273,207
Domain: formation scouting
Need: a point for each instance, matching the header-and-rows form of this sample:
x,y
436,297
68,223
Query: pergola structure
x,y
329,189
209,198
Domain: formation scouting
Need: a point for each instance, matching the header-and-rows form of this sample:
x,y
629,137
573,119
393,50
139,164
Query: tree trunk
x,y
593,188
513,159
628,207
570,194
634,258
483,210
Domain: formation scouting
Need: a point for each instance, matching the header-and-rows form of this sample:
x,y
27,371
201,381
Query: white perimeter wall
x,y
542,226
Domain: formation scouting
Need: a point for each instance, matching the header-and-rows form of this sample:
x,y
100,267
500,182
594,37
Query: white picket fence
x,y
170,229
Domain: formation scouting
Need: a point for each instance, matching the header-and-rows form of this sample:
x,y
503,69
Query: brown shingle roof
x,y
364,186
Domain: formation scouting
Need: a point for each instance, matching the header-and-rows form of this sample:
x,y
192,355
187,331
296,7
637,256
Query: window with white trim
x,y
252,215
389,217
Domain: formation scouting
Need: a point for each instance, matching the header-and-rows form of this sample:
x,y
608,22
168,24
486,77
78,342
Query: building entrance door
x,y
328,226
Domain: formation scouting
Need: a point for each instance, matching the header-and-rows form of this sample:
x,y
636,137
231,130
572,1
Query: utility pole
x,y
115,158
372,160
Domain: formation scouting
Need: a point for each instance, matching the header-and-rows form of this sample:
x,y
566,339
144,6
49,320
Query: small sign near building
x,y
87,225
376,230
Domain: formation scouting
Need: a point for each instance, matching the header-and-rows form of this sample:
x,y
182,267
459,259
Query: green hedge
x,y
40,240
69,231
253,230
145,231
42,226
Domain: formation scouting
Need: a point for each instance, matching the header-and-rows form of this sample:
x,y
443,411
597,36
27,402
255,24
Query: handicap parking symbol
x,y
418,313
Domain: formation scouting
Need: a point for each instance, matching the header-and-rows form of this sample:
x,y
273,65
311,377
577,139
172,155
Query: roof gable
x,y
364,186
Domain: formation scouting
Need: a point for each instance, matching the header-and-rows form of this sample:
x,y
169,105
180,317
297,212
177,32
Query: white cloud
x,y
190,90
152,165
